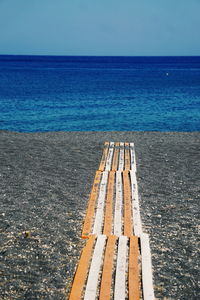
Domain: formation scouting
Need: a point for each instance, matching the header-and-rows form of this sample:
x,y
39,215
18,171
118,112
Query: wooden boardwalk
x,y
118,157
109,268
116,260
113,206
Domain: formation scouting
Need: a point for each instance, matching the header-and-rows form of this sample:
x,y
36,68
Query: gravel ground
x,y
45,181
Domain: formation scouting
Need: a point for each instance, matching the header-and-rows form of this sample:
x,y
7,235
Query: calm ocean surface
x,y
39,93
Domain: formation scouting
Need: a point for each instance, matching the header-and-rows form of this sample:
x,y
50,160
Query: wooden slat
x,y
91,206
98,223
133,272
132,154
104,157
121,157
118,205
137,224
109,205
147,280
127,157
92,283
128,231
115,157
82,270
110,157
120,279
106,280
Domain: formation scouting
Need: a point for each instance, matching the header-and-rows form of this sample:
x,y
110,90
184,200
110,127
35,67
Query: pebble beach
x,y
45,182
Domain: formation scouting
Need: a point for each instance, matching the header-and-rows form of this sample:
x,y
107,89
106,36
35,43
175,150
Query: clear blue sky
x,y
100,27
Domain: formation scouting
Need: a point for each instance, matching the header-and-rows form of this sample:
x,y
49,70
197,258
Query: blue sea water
x,y
48,93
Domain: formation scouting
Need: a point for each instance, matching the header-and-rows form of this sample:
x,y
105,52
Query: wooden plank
x,y
120,278
115,158
118,205
82,270
110,157
92,283
109,205
133,272
104,157
121,157
127,157
137,224
106,280
132,154
128,231
98,223
147,280
91,206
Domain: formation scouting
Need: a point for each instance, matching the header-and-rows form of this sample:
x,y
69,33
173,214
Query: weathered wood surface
x,y
115,157
82,270
128,223
98,223
121,157
104,157
118,205
116,208
92,282
147,278
120,278
87,227
106,280
108,220
133,270
118,157
109,157
109,266
108,269
137,224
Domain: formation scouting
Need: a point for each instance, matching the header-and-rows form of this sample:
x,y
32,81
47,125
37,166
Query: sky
x,y
100,27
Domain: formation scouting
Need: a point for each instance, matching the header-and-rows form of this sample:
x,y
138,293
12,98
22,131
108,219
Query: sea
x,y
82,93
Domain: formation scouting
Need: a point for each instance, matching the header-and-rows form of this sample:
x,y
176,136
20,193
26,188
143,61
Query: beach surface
x,y
45,181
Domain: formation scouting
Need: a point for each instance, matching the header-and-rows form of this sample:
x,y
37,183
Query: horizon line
x,y
71,55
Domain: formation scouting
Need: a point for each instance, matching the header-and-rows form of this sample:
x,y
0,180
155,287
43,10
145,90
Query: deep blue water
x,y
39,93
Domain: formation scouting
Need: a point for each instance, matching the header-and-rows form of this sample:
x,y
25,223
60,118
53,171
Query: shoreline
x,y
46,179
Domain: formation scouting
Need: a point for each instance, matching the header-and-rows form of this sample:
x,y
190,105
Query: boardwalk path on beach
x,y
45,183
113,220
